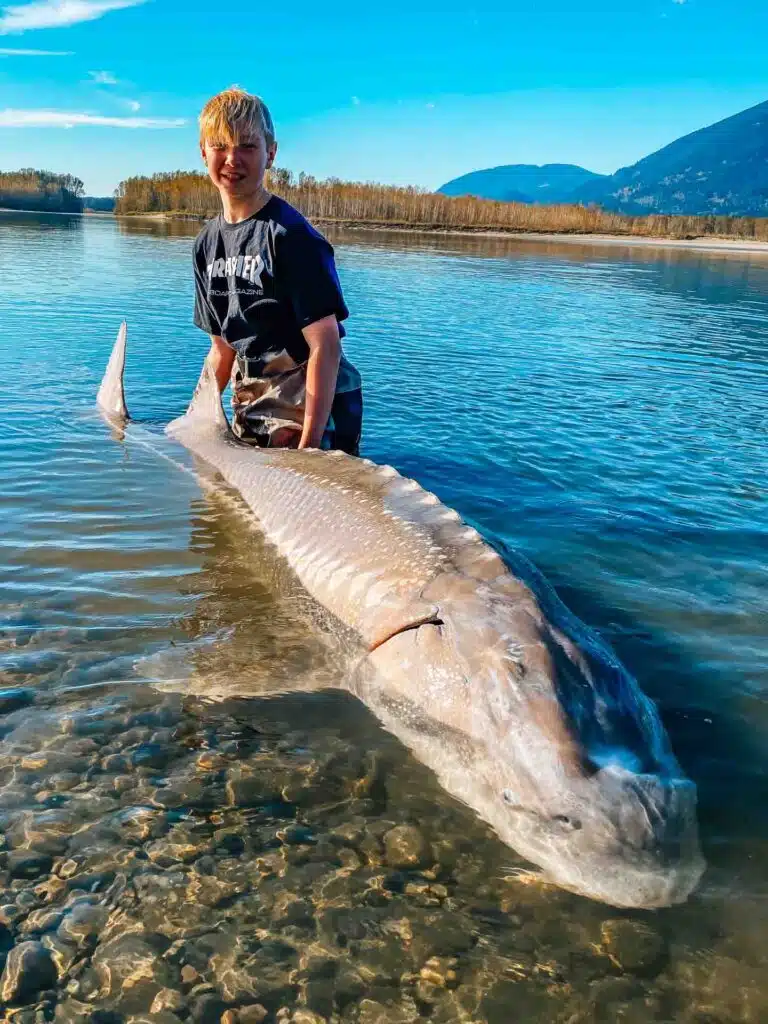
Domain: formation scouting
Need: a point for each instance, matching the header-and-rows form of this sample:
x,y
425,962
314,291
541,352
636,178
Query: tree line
x,y
29,189
366,203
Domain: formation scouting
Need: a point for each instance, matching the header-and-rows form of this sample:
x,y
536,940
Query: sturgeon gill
x,y
540,731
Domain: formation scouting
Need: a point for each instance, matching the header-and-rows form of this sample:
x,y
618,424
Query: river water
x,y
195,826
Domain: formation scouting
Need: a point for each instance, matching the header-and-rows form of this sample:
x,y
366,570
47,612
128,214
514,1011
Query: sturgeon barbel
x,y
532,723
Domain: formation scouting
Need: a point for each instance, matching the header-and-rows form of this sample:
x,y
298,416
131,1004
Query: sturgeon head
x,y
561,753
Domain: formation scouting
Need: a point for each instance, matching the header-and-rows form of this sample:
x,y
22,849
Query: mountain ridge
x,y
721,169
521,183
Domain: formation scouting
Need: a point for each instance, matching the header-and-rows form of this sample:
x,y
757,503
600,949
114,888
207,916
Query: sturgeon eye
x,y
564,819
508,797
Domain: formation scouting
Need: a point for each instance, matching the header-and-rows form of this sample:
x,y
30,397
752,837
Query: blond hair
x,y
234,115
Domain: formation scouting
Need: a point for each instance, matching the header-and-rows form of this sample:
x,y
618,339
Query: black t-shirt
x,y
259,282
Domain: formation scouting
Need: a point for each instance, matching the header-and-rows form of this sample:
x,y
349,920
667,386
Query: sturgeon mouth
x,y
426,620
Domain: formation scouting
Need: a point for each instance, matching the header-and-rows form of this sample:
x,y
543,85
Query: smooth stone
x,y
372,1012
208,1009
631,945
29,969
348,859
83,922
118,763
265,977
349,986
251,791
189,793
168,999
530,1002
73,1011
210,891
723,990
29,863
16,796
440,934
229,841
49,831
13,699
608,992
9,914
290,910
348,833
318,995
440,971
27,900
128,965
189,975
62,953
406,848
45,919
150,755
253,1014
179,845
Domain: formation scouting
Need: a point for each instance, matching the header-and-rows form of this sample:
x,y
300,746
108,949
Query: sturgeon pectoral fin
x,y
398,620
111,396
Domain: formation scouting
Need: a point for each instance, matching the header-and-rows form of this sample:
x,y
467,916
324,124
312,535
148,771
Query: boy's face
x,y
238,169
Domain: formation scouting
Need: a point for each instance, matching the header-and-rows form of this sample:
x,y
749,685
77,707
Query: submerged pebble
x,y
632,945
28,970
210,872
15,698
406,847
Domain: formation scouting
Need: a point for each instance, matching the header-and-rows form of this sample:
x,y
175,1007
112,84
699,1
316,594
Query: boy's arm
x,y
221,359
322,337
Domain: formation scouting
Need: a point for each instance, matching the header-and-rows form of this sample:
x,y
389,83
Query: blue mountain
x,y
721,169
521,183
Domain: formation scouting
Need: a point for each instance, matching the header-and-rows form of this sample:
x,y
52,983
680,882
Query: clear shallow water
x,y
602,411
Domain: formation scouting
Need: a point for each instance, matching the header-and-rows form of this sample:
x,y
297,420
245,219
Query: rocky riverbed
x,y
166,859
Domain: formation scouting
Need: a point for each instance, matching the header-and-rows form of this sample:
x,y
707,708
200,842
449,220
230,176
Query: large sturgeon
x,y
531,723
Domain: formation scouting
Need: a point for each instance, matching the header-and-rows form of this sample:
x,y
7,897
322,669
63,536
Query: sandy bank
x,y
704,243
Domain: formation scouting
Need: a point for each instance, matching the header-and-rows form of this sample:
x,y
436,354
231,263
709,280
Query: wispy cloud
x,y
102,78
6,52
63,119
133,105
356,101
57,13
430,106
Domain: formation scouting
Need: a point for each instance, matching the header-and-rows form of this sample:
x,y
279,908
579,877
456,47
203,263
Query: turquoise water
x,y
601,410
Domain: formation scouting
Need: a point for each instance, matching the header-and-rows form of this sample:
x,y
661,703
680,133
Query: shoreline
x,y
701,243
724,244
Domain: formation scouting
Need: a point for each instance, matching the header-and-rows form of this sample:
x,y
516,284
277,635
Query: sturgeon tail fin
x,y
111,396
205,415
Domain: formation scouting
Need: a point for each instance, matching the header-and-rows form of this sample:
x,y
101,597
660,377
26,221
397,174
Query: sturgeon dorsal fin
x,y
205,414
111,396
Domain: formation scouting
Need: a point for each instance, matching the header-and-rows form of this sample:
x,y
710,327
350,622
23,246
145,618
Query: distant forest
x,y
192,194
29,189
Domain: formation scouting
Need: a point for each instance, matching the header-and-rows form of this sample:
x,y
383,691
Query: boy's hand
x,y
322,371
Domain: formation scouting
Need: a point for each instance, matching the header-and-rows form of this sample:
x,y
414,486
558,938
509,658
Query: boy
x,y
267,292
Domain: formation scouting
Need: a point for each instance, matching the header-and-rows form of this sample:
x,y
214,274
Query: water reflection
x,y
46,222
159,226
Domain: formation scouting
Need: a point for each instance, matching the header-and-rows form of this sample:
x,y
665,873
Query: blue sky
x,y
404,92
